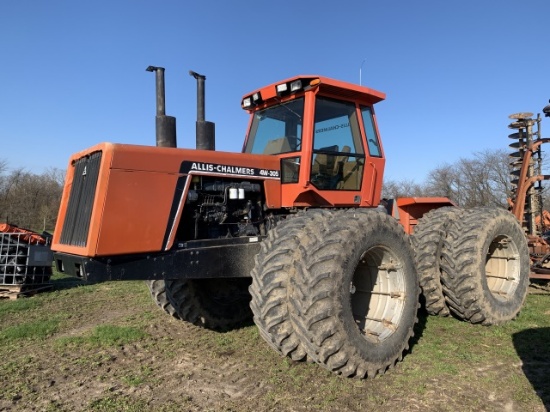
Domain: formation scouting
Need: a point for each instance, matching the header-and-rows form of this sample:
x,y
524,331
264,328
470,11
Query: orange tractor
x,y
291,233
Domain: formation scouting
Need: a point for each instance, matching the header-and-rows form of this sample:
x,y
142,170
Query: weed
x,y
138,379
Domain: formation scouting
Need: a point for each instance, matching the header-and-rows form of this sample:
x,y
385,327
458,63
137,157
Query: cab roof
x,y
326,85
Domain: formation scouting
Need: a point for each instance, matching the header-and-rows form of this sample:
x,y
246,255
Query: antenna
x,y
360,69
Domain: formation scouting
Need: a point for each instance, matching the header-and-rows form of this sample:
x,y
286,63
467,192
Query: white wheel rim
x,y
502,268
377,294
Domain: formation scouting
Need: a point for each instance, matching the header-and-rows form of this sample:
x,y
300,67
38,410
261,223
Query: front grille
x,y
79,210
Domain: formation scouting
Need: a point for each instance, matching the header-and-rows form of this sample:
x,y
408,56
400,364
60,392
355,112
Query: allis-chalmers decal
x,y
214,168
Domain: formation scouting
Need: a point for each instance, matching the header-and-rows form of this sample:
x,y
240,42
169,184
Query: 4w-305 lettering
x,y
269,173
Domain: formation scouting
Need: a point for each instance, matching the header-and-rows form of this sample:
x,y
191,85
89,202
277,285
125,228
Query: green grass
x,y
117,404
8,308
37,330
105,335
111,347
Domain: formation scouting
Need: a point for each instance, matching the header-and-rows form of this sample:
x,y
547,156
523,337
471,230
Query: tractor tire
x,y
485,266
356,296
218,304
427,240
157,288
274,266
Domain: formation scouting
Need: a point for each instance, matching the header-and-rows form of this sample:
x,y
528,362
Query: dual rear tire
x,y
347,294
348,288
485,266
473,264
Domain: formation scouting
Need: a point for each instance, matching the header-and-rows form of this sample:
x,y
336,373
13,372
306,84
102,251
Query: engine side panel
x,y
135,211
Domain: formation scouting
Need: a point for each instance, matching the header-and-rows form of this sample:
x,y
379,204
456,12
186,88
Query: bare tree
x,y
480,181
30,200
484,180
444,181
498,166
402,188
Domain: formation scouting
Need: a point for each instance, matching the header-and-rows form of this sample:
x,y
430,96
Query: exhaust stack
x,y
165,125
206,139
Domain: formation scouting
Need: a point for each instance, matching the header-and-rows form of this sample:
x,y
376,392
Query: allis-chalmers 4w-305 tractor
x,y
291,232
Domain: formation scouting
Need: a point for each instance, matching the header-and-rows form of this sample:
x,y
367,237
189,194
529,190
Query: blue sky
x,y
72,73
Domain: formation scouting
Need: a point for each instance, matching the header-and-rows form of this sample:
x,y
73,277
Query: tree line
x,y
30,200
483,180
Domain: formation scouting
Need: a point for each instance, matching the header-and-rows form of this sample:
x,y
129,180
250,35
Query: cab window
x,y
338,153
370,130
277,129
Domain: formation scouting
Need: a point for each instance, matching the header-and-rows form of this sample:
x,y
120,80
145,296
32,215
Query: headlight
x,y
295,86
257,98
286,88
282,88
253,100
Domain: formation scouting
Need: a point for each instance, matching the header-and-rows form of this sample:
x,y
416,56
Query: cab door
x,y
375,161
347,161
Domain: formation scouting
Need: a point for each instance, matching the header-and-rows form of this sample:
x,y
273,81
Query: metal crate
x,y
23,263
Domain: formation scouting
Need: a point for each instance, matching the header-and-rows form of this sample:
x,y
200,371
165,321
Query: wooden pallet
x,y
18,291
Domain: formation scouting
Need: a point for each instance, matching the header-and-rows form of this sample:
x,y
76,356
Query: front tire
x,y
356,297
157,288
219,304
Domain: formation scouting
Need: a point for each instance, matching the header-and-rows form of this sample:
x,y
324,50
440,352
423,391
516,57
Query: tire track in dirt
x,y
213,378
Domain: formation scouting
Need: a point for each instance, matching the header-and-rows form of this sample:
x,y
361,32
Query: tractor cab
x,y
325,133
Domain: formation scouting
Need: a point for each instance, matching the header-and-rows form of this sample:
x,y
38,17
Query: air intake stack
x,y
206,139
165,125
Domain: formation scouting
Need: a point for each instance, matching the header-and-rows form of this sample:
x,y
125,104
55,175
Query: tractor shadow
x,y
419,327
532,348
62,282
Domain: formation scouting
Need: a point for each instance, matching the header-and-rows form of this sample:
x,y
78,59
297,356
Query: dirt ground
x,y
175,366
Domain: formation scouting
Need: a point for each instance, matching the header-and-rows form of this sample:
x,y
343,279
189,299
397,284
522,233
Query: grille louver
x,y
79,210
